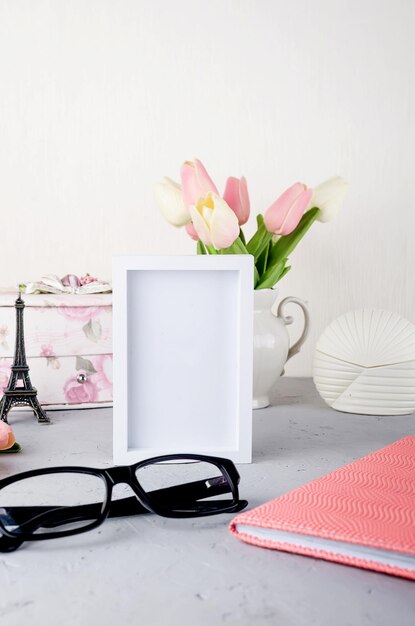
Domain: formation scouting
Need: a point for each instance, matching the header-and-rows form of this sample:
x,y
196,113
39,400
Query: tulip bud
x,y
215,222
329,197
169,197
196,182
283,216
236,195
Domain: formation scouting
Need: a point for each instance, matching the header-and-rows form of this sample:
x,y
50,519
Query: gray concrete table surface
x,y
149,570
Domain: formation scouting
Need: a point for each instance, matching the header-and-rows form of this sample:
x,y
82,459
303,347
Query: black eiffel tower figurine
x,y
23,394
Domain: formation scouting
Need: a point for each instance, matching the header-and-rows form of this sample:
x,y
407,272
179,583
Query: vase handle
x,y
288,319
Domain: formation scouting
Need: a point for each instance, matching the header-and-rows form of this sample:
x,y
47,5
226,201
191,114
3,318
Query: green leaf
x,y
256,277
16,447
272,275
286,269
85,365
242,236
238,247
211,250
263,259
286,244
201,247
257,244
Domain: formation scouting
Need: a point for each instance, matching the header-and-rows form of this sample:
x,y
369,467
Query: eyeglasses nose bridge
x,y
121,474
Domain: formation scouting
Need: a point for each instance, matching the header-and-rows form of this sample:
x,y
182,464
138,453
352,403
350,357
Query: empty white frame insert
x,y
182,356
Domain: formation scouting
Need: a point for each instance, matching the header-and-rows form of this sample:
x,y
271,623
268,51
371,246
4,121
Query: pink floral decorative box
x,y
68,342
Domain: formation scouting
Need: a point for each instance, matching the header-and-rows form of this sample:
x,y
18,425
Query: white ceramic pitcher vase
x,y
271,342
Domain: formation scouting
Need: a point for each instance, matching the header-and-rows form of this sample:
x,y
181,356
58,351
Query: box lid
x,y
9,295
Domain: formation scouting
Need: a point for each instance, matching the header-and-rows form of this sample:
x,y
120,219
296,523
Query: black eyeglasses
x,y
62,501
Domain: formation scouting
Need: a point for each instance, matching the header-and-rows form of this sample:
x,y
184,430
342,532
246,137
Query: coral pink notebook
x,y
362,514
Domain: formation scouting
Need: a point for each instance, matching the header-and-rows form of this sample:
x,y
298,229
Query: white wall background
x,y
100,98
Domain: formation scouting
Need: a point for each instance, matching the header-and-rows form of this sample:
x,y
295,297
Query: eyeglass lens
x,y
33,505
194,485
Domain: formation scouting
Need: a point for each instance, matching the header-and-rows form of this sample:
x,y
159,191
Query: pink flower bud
x,y
196,182
7,438
70,280
190,229
283,215
236,195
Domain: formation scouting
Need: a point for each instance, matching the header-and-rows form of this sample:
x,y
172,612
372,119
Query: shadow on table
x,y
299,427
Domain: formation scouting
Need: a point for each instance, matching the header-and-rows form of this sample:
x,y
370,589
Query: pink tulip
x,y
283,216
236,195
7,438
196,182
190,229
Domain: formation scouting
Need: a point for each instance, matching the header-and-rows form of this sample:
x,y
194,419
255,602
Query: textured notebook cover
x,y
370,502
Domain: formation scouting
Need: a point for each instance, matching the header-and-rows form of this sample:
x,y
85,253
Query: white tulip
x,y
169,197
329,197
214,221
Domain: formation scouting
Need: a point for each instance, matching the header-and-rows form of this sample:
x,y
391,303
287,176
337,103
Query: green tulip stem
x,y
286,244
258,243
201,247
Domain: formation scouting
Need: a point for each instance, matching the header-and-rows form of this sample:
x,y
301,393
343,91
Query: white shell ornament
x,y
365,363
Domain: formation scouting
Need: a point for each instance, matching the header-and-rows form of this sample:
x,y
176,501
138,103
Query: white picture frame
x,y
182,344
